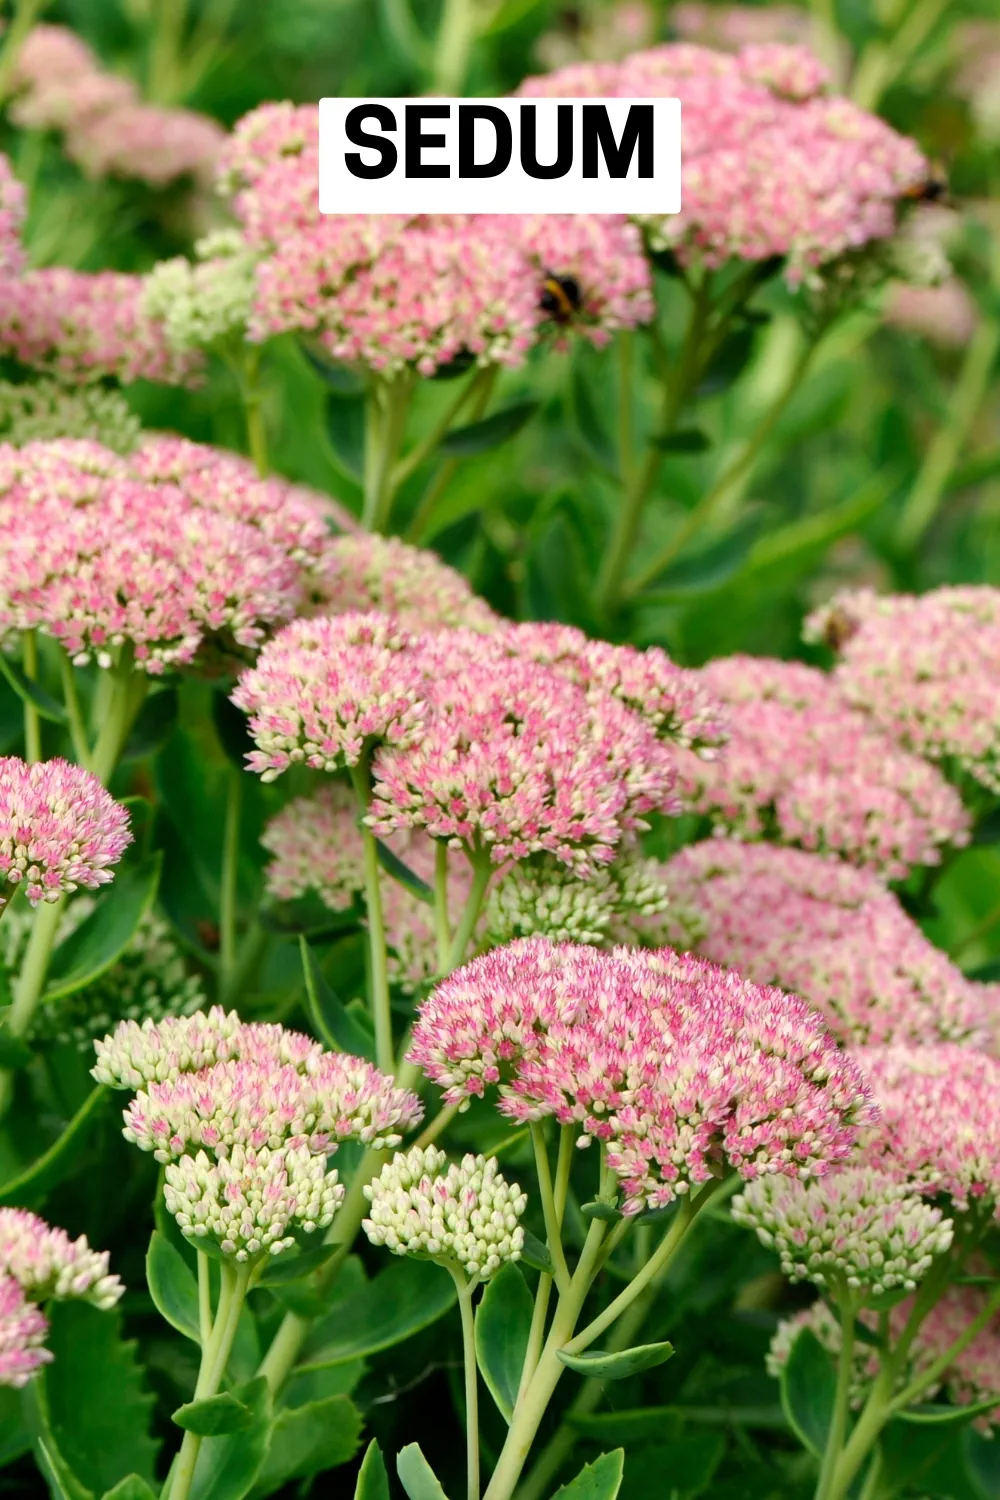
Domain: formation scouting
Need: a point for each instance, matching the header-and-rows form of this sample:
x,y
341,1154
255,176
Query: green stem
x,y
436,1128
873,1479
204,1298
543,1293
168,33
26,13
425,510
385,1055
421,451
626,415
974,934
235,1280
741,465
949,441
387,409
128,689
927,1377
253,409
482,871
838,1418
465,1290
553,1236
638,481
229,883
453,48
884,62
32,720
30,983
442,927
71,699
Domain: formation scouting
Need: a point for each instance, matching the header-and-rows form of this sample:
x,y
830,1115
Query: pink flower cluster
x,y
828,932
59,829
803,766
372,572
682,1068
478,742
397,292
940,1124
926,668
11,215
772,167
46,1263
165,550
23,1327
245,1118
108,131
84,326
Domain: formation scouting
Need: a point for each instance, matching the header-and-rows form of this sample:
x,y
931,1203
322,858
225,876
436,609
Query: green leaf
x,y
981,1456
345,429
130,1488
728,362
332,1021
172,1286
31,1185
713,566
618,1365
231,727
98,1409
310,917
339,378
689,1459
293,1264
43,702
156,723
535,1254
307,1439
640,1424
600,1480
408,1295
14,1052
503,1324
480,437
685,440
794,546
402,874
228,1466
106,933
373,1480
588,411
15,1438
58,1475
416,1475
808,1388
937,1415
607,1213
214,1416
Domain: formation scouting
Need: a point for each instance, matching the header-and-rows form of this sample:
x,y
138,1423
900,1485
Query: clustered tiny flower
x,y
45,408
541,897
206,302
461,1213
46,1263
23,1327
372,572
926,668
827,931
12,205
59,829
856,1227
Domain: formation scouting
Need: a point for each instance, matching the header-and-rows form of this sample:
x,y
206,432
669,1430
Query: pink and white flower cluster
x,y
392,293
12,203
681,1068
39,1264
773,166
164,551
804,766
372,572
60,85
926,668
828,932
59,829
245,1118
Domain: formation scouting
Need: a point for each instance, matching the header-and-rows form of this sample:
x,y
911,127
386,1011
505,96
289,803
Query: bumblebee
x,y
933,189
561,297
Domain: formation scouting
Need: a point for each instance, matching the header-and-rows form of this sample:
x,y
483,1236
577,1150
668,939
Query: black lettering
x,y
597,131
529,143
388,155
416,140
468,114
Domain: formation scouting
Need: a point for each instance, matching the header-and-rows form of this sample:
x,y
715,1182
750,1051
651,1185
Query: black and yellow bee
x,y
561,297
933,189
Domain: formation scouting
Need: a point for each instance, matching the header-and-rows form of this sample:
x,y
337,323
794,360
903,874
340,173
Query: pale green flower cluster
x,y
857,1226
39,410
203,302
544,898
458,1212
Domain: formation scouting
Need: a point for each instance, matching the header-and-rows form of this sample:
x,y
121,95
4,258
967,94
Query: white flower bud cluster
x,y
546,899
134,1055
42,409
248,1201
202,303
47,1263
857,1225
465,1213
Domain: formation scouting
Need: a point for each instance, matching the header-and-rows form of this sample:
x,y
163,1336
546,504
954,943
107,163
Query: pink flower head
x,y
803,766
516,759
772,167
155,1051
372,572
602,258
59,828
12,203
680,1067
170,550
926,668
323,689
23,1327
85,325
940,1127
46,1263
828,932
